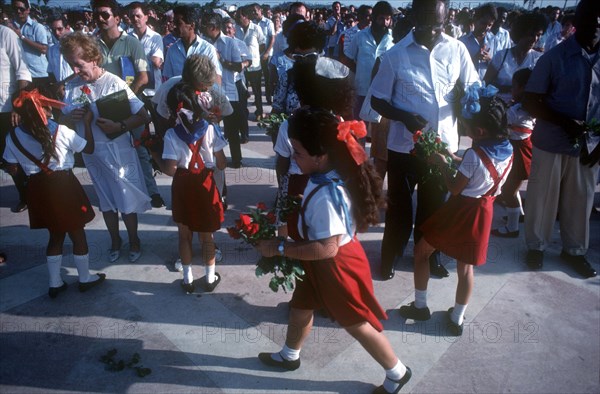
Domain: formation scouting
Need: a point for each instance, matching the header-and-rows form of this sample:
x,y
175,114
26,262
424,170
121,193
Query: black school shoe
x,y
157,201
188,287
410,311
210,287
401,383
266,359
455,330
53,291
580,264
83,287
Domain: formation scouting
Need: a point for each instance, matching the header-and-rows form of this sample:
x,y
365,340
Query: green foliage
x,y
272,123
114,365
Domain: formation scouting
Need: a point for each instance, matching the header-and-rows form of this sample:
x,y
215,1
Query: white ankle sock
x,y
458,313
420,299
513,215
54,264
82,262
396,374
289,353
188,277
210,273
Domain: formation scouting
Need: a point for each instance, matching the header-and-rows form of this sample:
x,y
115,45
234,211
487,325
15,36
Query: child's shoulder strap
x,y
303,209
43,166
487,162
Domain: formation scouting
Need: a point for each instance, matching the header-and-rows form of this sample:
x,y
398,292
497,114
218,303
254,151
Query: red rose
x,y
417,135
245,220
85,89
271,218
438,140
253,228
262,206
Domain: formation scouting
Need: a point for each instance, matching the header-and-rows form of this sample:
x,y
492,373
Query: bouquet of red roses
x,y
153,142
427,144
257,225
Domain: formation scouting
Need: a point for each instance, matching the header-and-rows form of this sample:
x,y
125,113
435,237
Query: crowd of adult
x,y
399,70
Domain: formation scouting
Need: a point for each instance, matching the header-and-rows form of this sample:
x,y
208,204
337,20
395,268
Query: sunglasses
x,y
305,56
102,14
20,9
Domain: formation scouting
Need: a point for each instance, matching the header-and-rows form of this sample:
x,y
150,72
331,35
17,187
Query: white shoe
x,y
179,265
218,256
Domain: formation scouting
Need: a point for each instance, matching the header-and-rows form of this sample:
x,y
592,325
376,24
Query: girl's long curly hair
x,y
316,129
32,123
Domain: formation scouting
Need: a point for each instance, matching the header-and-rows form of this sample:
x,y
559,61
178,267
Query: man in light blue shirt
x,y
58,68
480,42
188,44
366,47
34,38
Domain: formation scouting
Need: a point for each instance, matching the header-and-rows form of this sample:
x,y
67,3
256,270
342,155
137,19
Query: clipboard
x,y
115,107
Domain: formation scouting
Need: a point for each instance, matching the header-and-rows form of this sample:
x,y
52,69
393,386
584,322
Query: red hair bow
x,y
39,101
349,132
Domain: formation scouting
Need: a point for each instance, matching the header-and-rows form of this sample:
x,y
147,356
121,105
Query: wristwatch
x,y
123,126
281,247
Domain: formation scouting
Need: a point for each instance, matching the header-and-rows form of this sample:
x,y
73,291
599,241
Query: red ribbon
x,y
39,101
349,132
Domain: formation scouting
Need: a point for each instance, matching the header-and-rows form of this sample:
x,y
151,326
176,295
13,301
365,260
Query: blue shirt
x,y
474,48
569,79
36,60
177,54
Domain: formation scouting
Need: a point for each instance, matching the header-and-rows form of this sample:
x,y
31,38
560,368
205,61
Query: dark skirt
x,y
196,201
522,153
296,185
343,286
461,228
57,201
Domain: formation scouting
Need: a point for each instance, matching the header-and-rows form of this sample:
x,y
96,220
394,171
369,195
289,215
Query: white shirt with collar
x,y
177,54
229,51
253,38
12,67
364,50
268,29
153,47
420,81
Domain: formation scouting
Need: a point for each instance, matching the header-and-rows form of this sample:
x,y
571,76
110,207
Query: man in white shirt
x,y
255,40
14,75
231,60
188,44
152,43
364,21
413,89
366,47
552,32
268,30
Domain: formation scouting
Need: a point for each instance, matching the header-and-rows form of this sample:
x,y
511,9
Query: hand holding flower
x,y
414,122
268,247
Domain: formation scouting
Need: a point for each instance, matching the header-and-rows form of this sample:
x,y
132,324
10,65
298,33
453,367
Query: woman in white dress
x,y
114,166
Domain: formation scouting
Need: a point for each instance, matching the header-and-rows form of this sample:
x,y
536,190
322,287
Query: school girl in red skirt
x,y
55,198
520,125
342,195
461,227
192,150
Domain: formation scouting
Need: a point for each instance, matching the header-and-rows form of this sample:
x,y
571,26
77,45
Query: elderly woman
x,y
525,33
114,166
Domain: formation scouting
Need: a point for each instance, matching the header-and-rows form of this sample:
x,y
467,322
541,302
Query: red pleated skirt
x,y
57,201
522,153
461,228
196,201
343,286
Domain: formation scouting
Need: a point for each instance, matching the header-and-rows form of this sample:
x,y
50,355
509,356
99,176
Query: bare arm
x,y
306,250
141,79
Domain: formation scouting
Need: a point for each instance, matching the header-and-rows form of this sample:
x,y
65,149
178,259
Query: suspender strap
x,y
487,162
42,165
303,210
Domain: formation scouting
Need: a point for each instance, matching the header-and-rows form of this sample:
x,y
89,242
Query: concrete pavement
x,y
525,332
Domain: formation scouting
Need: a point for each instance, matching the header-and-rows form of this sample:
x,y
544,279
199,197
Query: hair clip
x,y
470,101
